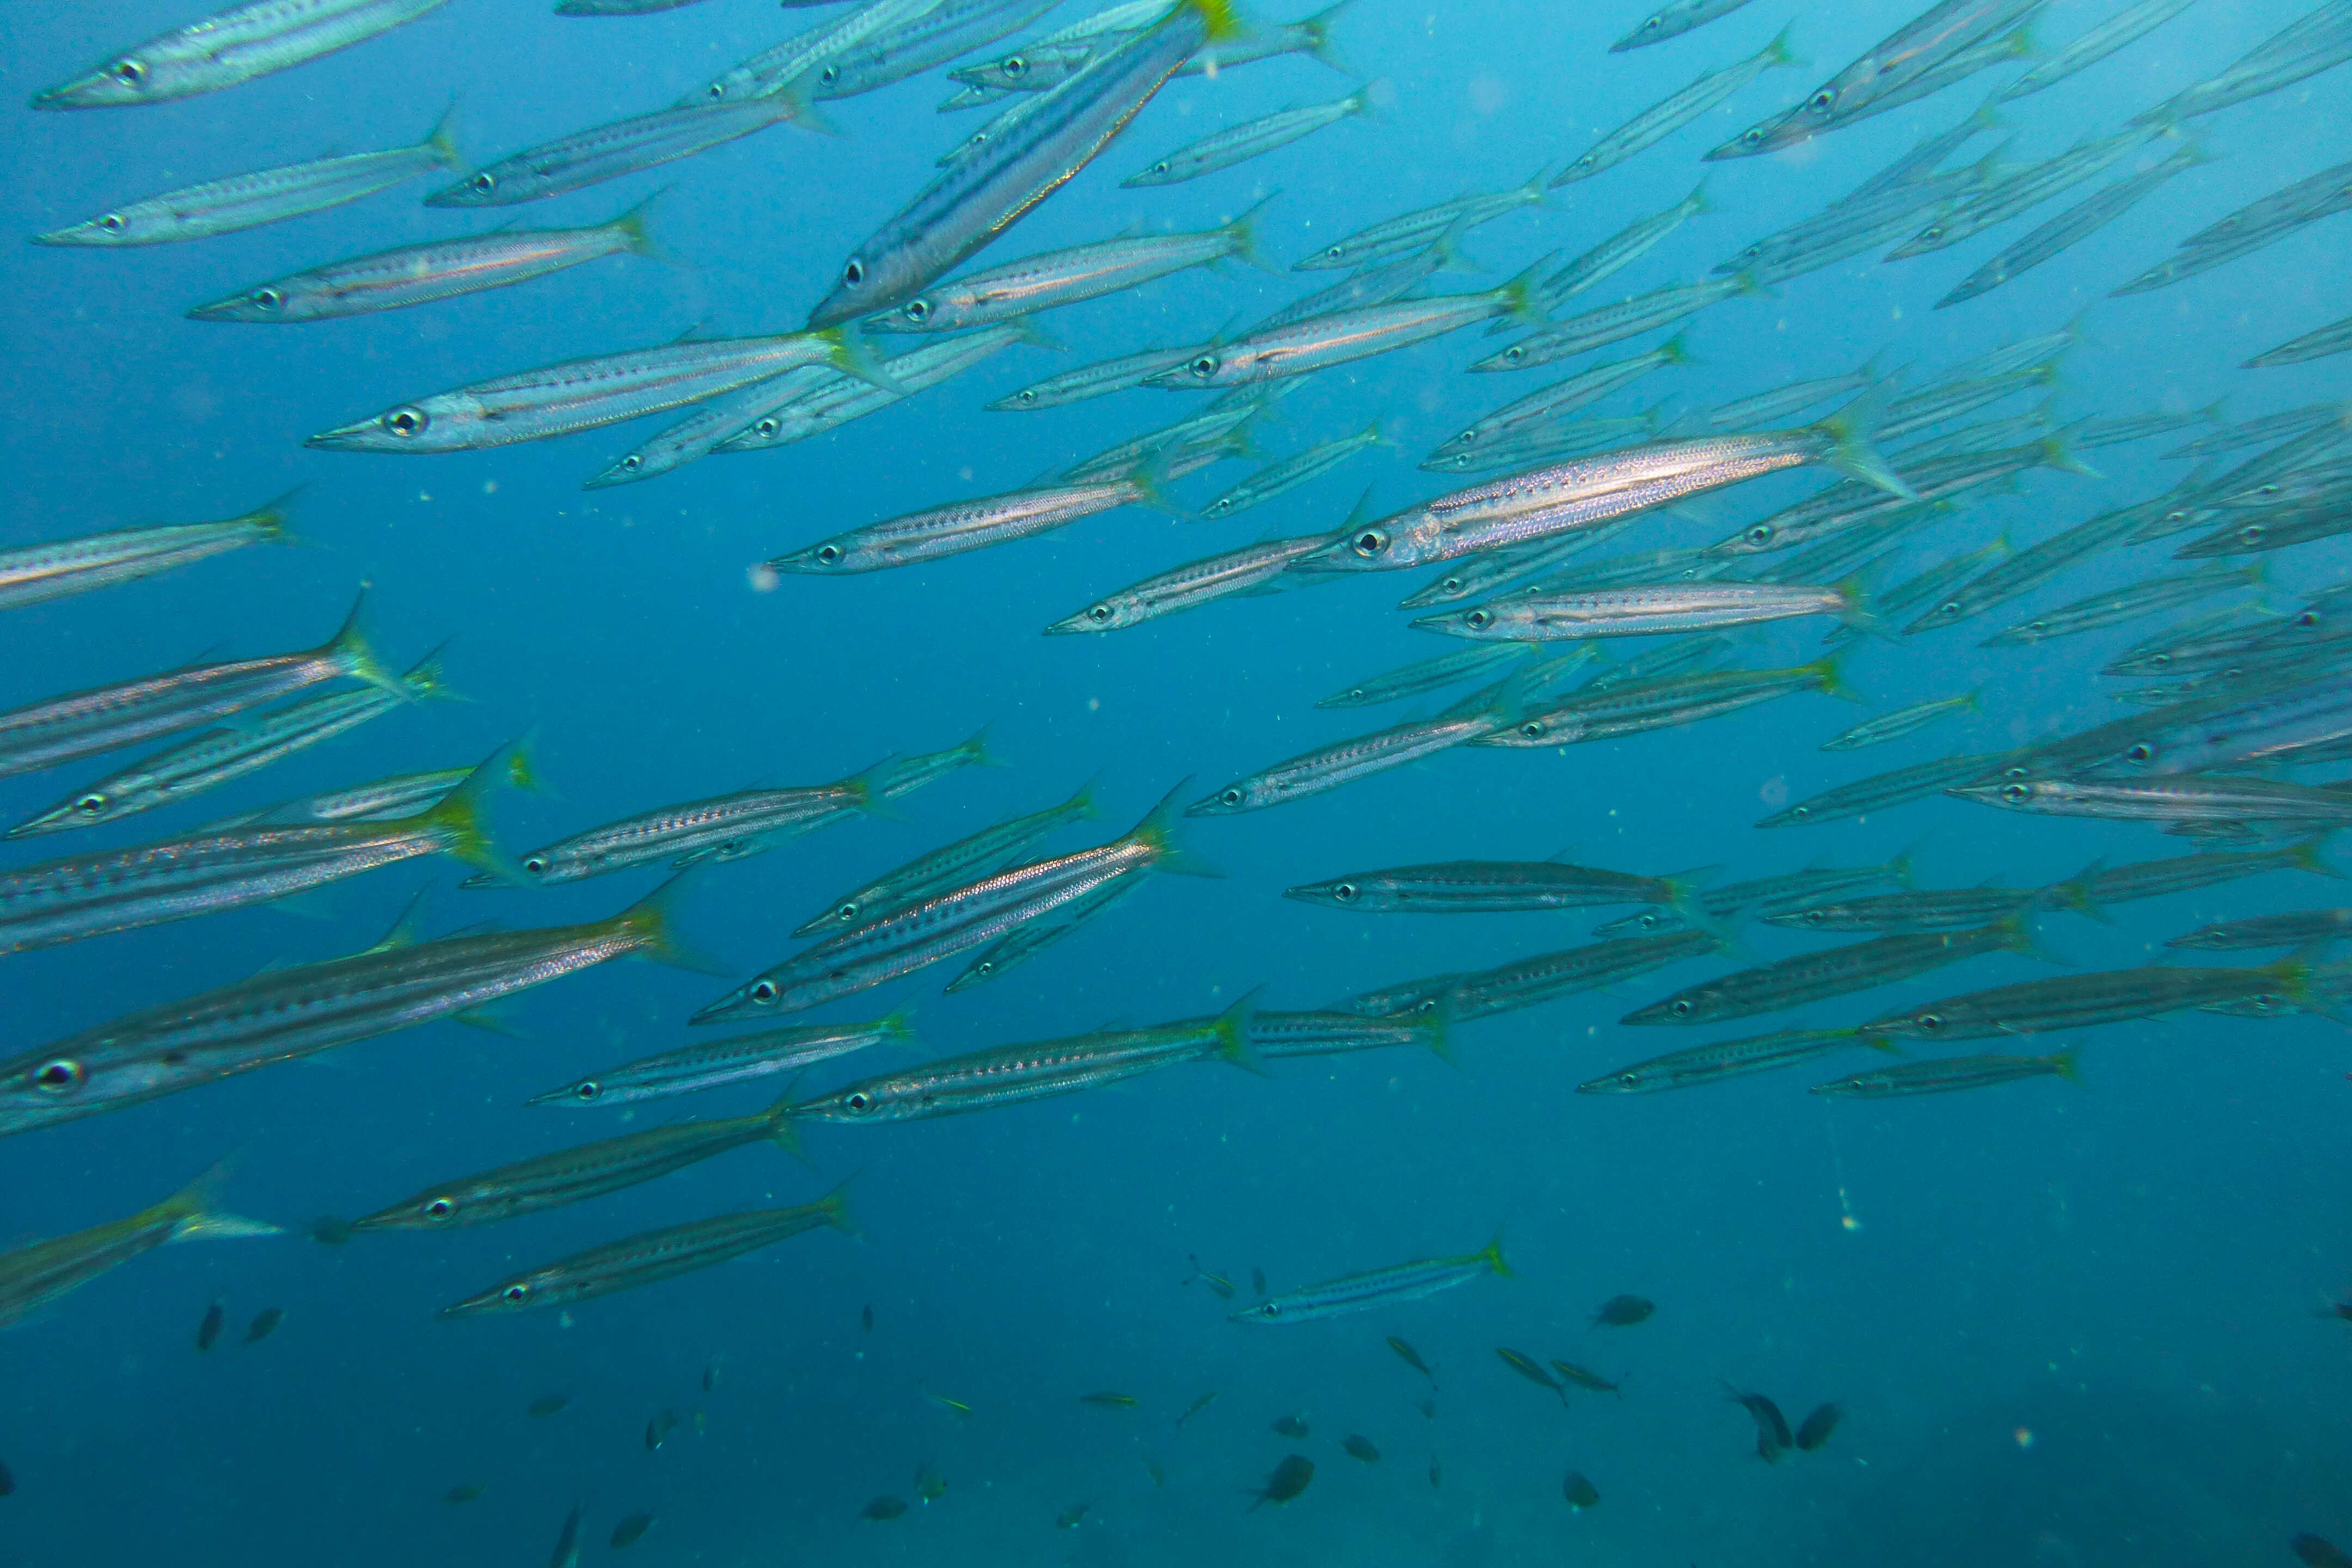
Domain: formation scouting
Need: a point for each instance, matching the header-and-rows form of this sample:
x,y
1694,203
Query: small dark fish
x,y
1289,1478
1216,1282
1412,1358
930,1486
1772,1435
466,1493
1360,1448
567,1545
658,1430
1158,1477
1291,1426
329,1231
1436,1472
1527,1367
883,1508
632,1529
2340,1308
1257,1280
1196,1407
2318,1554
1581,1493
711,1378
549,1404
209,1330
265,1323
1068,1517
867,1317
7,1481
1585,1377
1116,1401
1624,1311
1429,1408
1814,1430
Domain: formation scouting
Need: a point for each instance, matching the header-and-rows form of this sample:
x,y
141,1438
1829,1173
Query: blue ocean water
x,y
2069,1325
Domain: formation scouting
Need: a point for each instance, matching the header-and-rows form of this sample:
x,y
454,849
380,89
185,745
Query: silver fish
x,y
2096,44
1379,1288
1950,1073
985,193
1251,139
1065,277
1613,323
586,394
1665,118
827,401
608,151
33,1275
1672,21
265,196
653,1256
948,866
718,1063
232,47
84,724
35,574
1253,568
1620,250
1728,1059
1291,472
422,274
1411,231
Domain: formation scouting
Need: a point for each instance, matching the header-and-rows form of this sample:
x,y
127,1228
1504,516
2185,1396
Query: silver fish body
x,y
233,46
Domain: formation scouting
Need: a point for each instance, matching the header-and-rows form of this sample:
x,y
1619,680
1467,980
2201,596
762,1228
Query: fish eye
x,y
1814,917
846,912
1016,66
918,310
1629,1079
829,553
1451,585
716,90
632,463
1822,101
1272,1308
90,805
768,427
1801,811
2141,752
762,991
1753,135
484,183
130,73
1761,534
2017,794
1931,1022
854,274
1345,892
1532,729
2251,533
407,421
1205,366
830,74
1479,620
440,1208
1099,614
860,1102
1161,167
2308,618
1680,1007
113,223
1231,797
589,1088
1933,231
1026,396
517,1293
61,1076
1370,542
266,299
536,864
1514,354
1334,253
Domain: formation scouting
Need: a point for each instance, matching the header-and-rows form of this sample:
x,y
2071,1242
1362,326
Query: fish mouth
x,y
82,92
1215,805
1311,893
485,1301
1448,625
734,1005
1070,626
358,437
57,821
